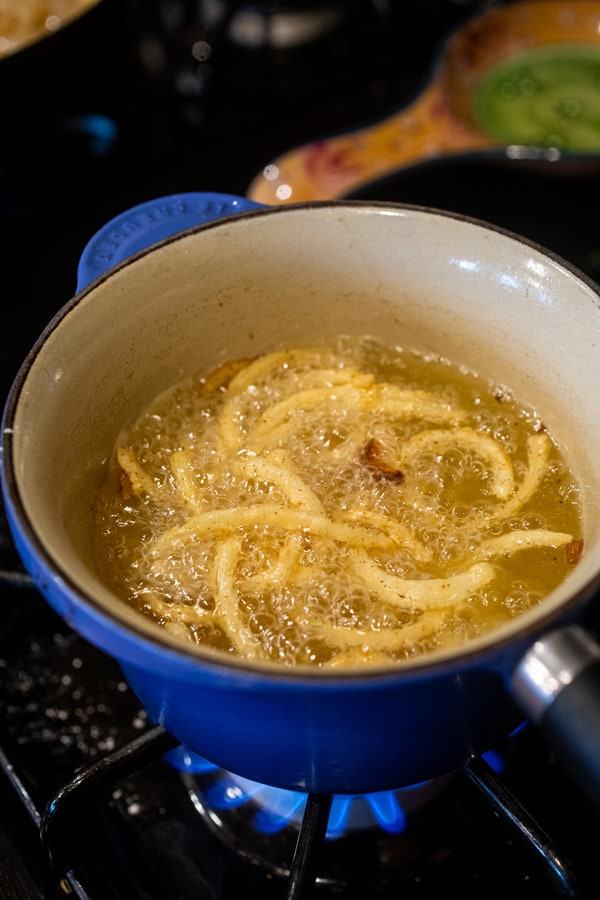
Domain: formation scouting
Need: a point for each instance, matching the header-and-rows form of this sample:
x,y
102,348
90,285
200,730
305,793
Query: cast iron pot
x,y
249,281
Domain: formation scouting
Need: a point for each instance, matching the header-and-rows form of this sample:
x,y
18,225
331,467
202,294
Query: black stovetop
x,y
104,118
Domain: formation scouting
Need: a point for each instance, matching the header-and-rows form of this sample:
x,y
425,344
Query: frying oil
x,y
349,504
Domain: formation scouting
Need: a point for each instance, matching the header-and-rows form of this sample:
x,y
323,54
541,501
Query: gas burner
x,y
398,828
263,824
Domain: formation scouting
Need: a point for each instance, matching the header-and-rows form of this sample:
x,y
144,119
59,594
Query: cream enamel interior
x,y
295,275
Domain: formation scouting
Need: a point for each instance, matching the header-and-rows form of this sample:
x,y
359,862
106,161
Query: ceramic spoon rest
x,y
525,75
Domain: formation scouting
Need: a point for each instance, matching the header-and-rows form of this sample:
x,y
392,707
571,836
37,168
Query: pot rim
x,y
512,639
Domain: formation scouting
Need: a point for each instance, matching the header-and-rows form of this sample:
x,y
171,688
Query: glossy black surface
x,y
115,113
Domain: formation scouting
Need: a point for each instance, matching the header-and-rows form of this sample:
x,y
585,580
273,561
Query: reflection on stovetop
x,y
121,114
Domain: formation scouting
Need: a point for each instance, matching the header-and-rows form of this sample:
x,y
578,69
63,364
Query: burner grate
x,y
58,823
60,817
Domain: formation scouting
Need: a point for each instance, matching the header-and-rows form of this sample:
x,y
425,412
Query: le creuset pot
x,y
252,279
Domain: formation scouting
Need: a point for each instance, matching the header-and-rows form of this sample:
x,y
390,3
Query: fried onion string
x,y
282,541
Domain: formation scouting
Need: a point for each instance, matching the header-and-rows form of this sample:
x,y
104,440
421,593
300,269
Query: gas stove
x,y
143,99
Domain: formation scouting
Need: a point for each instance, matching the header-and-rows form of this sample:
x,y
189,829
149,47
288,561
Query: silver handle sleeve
x,y
557,683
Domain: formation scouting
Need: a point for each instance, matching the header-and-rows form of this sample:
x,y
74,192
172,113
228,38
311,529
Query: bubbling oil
x,y
341,505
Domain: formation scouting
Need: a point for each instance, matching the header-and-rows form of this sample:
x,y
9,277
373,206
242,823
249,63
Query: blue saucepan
x,y
245,280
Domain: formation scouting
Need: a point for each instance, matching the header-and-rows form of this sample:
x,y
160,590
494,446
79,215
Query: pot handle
x,y
139,227
557,683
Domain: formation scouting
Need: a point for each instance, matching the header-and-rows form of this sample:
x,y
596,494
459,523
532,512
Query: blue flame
x,y
277,807
496,758
183,759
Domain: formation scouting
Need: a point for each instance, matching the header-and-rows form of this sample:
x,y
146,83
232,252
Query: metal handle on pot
x,y
139,227
557,683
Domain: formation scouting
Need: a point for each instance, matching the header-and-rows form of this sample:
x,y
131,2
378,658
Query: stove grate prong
x,y
63,809
558,870
308,846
